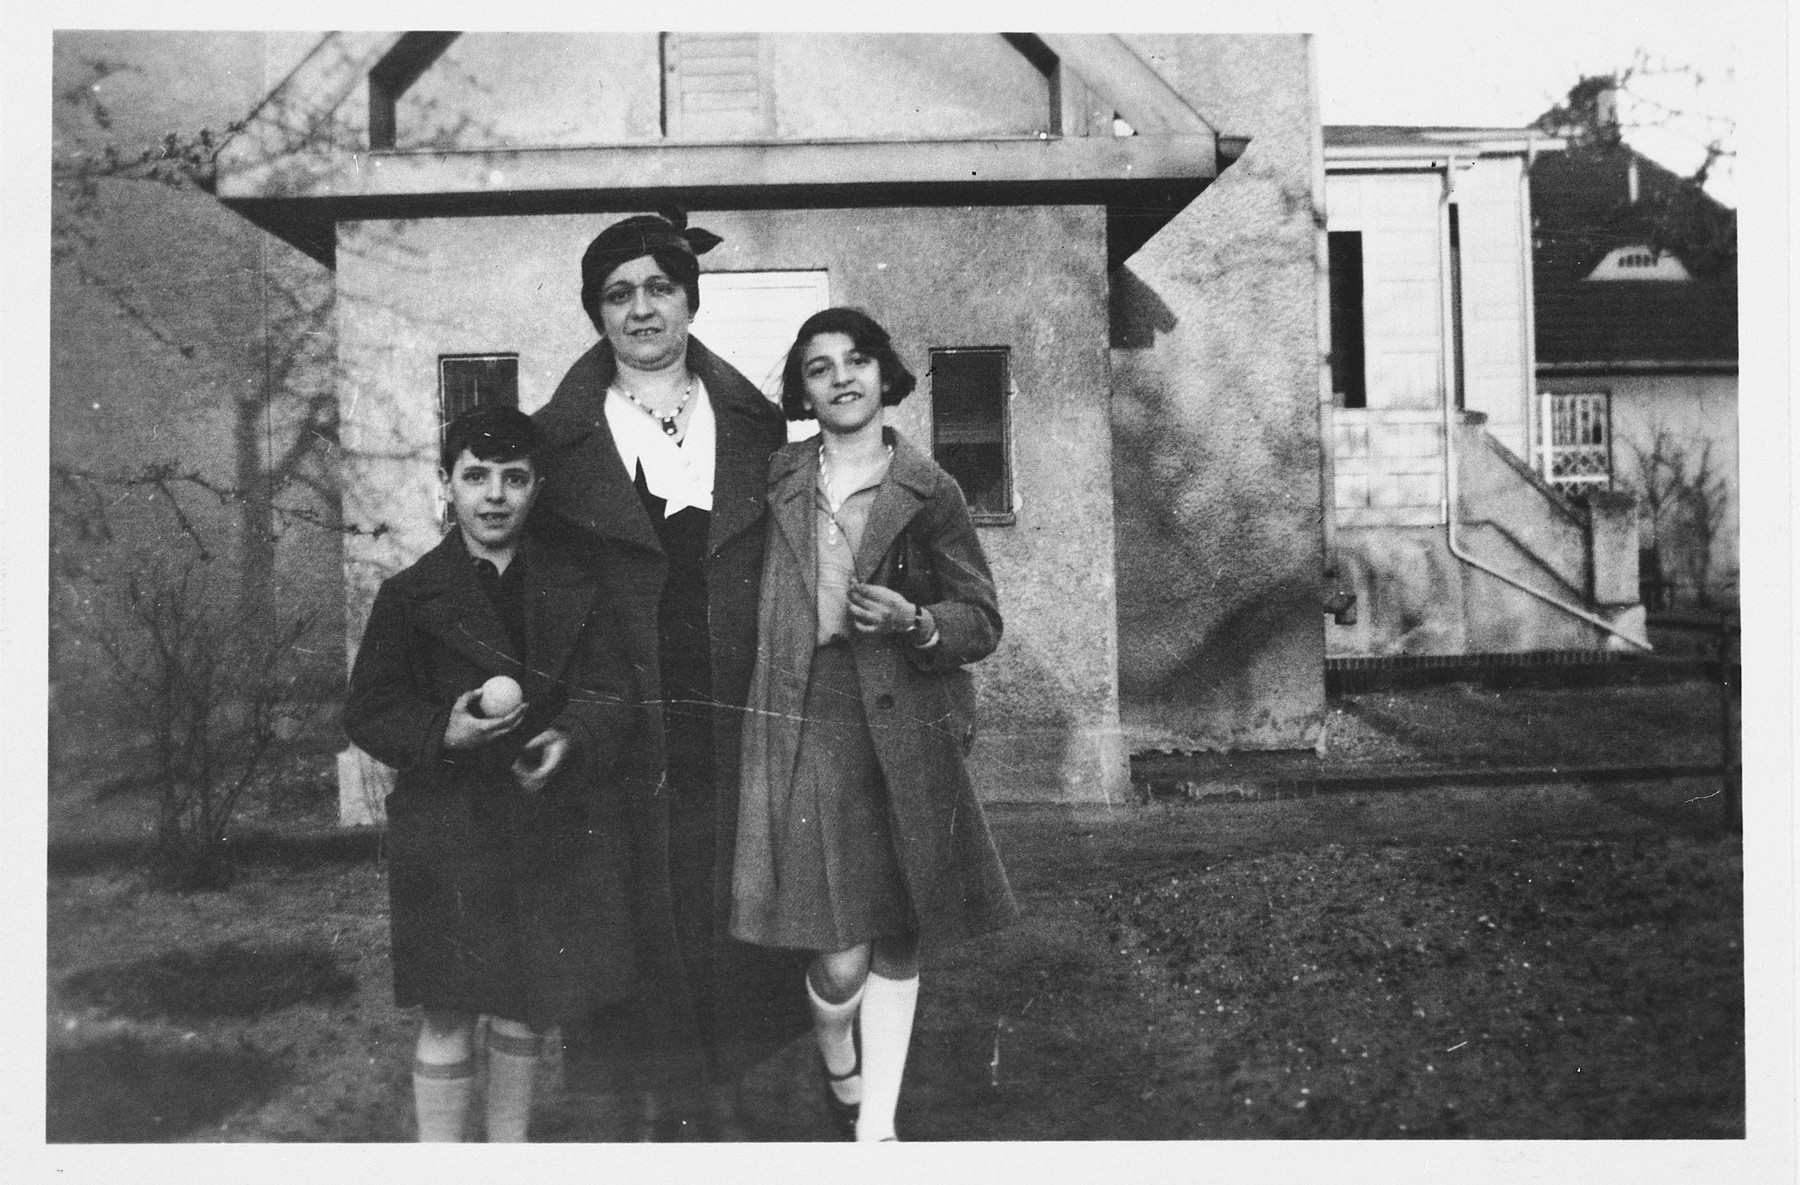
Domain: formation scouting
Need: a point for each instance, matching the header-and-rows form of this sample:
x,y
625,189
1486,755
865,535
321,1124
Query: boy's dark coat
x,y
502,901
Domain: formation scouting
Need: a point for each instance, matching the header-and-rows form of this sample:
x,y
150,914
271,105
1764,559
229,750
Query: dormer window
x,y
1638,262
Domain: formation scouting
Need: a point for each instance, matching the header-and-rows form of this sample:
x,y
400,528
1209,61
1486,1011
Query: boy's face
x,y
491,498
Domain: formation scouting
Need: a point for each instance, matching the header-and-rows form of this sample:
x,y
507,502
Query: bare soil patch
x,y
1520,962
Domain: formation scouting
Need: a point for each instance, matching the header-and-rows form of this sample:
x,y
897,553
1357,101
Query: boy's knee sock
x,y
441,1095
887,1020
512,1068
832,1029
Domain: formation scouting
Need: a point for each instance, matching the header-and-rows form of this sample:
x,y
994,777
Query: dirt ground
x,y
1522,961
1519,962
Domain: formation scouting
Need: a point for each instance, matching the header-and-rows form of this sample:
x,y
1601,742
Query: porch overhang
x,y
299,196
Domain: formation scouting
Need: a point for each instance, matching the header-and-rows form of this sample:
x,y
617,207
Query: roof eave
x,y
345,175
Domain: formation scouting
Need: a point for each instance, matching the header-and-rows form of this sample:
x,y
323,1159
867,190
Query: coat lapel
x,y
451,607
586,483
740,465
793,479
590,482
909,482
558,597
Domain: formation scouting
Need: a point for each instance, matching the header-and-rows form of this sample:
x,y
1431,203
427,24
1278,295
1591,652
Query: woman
x,y
654,473
858,831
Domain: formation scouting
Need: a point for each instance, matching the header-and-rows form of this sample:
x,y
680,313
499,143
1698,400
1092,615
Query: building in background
x,y
1636,286
1099,253
1443,525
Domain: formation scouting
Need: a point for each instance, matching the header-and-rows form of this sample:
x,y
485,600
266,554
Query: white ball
x,y
500,695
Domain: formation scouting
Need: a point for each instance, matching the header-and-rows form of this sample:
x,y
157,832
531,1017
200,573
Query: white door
x,y
749,319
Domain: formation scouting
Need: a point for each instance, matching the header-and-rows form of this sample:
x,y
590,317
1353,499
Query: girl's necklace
x,y
834,528
669,426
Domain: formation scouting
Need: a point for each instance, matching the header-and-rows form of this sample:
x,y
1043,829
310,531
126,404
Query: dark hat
x,y
667,238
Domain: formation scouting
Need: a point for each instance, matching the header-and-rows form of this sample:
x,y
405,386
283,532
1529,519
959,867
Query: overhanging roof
x,y
353,177
296,175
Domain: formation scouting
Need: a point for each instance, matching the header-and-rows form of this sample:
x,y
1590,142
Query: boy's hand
x,y
466,730
538,762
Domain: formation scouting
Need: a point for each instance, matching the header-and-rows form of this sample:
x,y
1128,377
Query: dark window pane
x,y
469,381
1346,269
969,426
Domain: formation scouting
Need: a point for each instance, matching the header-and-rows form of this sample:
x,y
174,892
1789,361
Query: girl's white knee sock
x,y
887,1021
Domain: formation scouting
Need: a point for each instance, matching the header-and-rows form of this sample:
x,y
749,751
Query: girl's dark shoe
x,y
843,1115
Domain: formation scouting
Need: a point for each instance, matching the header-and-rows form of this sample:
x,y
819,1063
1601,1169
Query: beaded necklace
x,y
669,426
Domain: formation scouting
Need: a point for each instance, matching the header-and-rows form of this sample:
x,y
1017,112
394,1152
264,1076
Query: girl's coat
x,y
919,712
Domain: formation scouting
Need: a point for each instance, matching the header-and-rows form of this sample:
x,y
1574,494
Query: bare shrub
x,y
217,697
1683,497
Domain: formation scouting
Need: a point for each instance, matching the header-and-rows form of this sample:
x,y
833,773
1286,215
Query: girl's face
x,y
843,384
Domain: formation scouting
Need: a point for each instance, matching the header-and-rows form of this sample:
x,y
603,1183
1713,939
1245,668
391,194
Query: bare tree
x,y
284,420
1673,213
1683,499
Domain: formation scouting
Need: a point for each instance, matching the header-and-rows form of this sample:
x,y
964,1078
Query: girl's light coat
x,y
917,702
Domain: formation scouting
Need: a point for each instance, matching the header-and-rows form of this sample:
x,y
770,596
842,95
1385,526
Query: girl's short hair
x,y
866,335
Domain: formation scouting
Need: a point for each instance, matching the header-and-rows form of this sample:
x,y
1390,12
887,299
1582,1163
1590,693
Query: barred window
x,y
469,381
971,426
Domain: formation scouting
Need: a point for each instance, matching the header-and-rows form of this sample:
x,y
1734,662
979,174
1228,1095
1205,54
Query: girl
x,y
858,830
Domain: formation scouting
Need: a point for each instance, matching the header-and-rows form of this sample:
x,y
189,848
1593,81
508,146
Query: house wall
x,y
1698,413
1496,284
1216,366
1389,455
543,89
1031,279
1416,596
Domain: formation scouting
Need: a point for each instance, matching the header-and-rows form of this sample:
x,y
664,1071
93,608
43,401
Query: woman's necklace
x,y
669,426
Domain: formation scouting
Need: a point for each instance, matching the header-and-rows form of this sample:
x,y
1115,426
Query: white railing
x,y
1575,439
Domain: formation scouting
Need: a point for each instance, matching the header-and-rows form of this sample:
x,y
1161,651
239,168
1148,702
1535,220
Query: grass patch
x,y
226,979
127,1090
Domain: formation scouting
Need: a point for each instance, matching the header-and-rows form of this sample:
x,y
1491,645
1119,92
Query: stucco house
x,y
1636,287
1099,253
1443,527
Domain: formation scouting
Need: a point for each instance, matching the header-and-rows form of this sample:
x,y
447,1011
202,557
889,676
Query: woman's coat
x,y
496,892
916,701
590,507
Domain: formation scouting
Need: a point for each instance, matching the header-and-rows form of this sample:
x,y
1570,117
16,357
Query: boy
x,y
507,856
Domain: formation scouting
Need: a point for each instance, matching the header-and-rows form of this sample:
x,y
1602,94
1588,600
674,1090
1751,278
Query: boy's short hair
x,y
491,434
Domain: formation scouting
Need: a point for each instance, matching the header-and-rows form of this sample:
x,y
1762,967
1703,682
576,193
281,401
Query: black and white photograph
x,y
1129,604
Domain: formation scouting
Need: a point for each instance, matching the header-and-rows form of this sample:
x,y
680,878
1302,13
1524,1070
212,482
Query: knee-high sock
x,y
441,1099
512,1066
831,1028
887,1020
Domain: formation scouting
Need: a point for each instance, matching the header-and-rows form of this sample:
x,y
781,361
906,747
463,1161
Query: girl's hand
x,y
877,609
466,730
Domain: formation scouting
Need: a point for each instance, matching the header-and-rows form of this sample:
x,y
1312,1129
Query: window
x,y
469,381
970,427
1345,264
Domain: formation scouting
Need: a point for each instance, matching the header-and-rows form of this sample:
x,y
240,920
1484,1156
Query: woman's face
x,y
843,384
645,315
